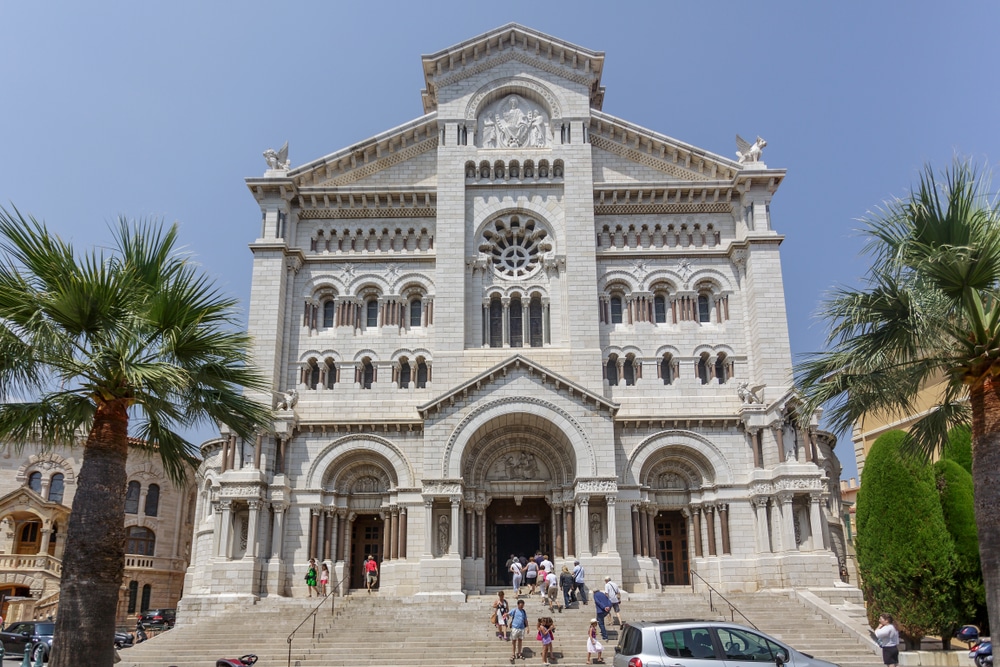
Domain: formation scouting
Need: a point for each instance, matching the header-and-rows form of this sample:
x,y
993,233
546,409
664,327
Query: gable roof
x,y
512,42
515,363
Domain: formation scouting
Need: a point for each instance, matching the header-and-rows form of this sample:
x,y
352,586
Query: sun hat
x,y
593,620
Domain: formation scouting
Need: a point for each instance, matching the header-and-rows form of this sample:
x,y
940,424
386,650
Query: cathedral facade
x,y
518,323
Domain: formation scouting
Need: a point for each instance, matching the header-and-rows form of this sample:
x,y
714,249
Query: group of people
x,y
539,572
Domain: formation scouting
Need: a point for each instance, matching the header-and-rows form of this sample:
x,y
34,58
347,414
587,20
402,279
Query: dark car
x,y
21,638
159,618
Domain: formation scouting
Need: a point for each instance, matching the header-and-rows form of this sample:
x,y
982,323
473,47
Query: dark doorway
x,y
672,549
366,538
515,529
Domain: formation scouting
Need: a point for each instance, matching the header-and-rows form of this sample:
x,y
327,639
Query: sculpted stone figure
x,y
749,395
747,152
277,159
444,533
287,400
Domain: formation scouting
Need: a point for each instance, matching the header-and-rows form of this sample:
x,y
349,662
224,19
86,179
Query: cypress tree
x,y
906,556
954,485
959,447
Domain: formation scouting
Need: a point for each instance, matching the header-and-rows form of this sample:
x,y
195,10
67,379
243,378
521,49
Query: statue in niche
x,y
595,532
444,533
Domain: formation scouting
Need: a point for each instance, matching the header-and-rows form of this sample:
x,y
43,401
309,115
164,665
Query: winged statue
x,y
750,395
277,159
747,152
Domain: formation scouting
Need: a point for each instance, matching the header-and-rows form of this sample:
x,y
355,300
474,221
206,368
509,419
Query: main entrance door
x,y
672,549
515,529
366,538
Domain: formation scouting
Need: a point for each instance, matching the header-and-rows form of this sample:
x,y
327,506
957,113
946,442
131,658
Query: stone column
x,y
612,538
402,532
582,524
277,531
224,458
341,534
751,434
394,531
334,535
570,532
710,529
636,532
429,528
643,532
253,520
816,522
386,535
506,321
779,436
696,522
226,507
763,536
232,452
469,533
651,530
313,531
43,547
787,521
456,504
559,545
807,437
724,527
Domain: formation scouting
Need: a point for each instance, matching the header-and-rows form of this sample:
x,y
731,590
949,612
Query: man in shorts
x,y
552,591
518,622
371,572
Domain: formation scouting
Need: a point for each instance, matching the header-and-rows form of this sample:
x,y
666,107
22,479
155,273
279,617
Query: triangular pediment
x,y
24,499
517,364
512,42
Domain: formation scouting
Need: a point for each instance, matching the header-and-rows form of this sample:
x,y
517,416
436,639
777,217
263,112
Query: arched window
x,y
331,374
616,310
659,309
612,370
367,374
152,500
535,321
722,369
667,369
133,594
422,375
515,315
404,373
416,313
132,498
704,309
703,368
496,322
56,488
147,592
313,374
329,309
35,482
628,371
140,542
371,313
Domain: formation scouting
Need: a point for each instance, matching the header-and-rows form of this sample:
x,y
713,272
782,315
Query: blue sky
x,y
161,109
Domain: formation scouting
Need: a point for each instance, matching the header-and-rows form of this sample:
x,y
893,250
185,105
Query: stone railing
x,y
135,562
31,562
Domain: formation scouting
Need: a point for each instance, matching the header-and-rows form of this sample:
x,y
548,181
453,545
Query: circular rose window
x,y
515,246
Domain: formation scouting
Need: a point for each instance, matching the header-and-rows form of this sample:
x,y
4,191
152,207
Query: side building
x,y
36,498
519,323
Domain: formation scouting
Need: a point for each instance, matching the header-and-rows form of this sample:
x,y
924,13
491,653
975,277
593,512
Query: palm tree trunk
x,y
985,403
94,557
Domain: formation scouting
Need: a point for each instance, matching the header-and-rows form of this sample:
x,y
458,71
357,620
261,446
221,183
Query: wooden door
x,y
366,538
672,549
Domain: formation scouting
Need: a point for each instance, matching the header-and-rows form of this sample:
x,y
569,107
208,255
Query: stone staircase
x,y
377,630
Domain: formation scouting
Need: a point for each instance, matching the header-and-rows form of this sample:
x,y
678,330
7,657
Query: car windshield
x,y
44,628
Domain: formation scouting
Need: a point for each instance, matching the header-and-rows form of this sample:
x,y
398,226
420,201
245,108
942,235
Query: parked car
x,y
21,638
159,618
693,643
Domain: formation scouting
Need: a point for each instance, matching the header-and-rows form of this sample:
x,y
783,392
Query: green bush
x,y
906,556
959,447
954,485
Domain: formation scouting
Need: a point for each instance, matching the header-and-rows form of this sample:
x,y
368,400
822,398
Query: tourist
x,y
371,573
324,578
551,588
593,645
544,567
546,634
603,605
515,569
566,583
500,610
614,594
578,584
311,577
518,623
507,569
531,576
888,638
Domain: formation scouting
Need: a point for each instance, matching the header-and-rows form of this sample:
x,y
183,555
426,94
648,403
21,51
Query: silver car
x,y
691,643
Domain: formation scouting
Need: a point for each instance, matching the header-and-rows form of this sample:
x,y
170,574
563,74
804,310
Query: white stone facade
x,y
518,322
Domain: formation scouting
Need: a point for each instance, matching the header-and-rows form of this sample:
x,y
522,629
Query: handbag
x,y
493,618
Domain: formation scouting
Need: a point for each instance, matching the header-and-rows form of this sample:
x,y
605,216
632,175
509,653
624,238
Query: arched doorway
x,y
366,540
515,529
672,549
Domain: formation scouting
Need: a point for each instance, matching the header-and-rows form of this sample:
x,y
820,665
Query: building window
x,y
133,593
612,370
535,321
132,498
35,482
667,369
703,369
616,310
515,246
628,371
147,592
367,374
704,309
496,323
515,315
329,309
152,500
416,313
141,541
56,488
722,369
422,374
313,374
660,309
331,374
371,313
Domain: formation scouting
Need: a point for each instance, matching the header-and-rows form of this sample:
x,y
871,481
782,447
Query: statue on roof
x,y
747,152
277,159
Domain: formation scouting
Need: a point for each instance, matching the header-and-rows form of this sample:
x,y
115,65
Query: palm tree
x,y
91,344
928,314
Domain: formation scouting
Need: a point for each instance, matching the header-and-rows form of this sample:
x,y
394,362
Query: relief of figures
x,y
514,123
518,465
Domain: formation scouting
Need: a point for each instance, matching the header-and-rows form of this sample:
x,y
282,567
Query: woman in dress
x,y
311,578
594,646
546,633
500,610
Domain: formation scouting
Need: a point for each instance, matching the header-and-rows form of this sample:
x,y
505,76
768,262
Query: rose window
x,y
515,246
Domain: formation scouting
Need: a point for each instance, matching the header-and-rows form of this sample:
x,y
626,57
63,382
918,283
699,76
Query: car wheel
x,y
39,651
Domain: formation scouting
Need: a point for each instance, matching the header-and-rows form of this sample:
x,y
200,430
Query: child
x,y
546,633
324,578
593,645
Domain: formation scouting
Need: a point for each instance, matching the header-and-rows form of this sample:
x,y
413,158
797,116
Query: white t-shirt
x,y
547,565
515,567
887,635
612,592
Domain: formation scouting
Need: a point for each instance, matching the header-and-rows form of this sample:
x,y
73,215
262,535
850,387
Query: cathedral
x,y
518,324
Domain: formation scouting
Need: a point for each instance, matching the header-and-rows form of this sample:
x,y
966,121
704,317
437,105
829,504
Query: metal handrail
x,y
313,614
711,603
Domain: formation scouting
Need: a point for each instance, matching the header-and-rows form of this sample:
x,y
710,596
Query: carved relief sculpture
x,y
595,532
514,122
444,534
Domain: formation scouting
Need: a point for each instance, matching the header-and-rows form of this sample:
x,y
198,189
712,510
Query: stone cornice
x,y
358,202
685,423
658,198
